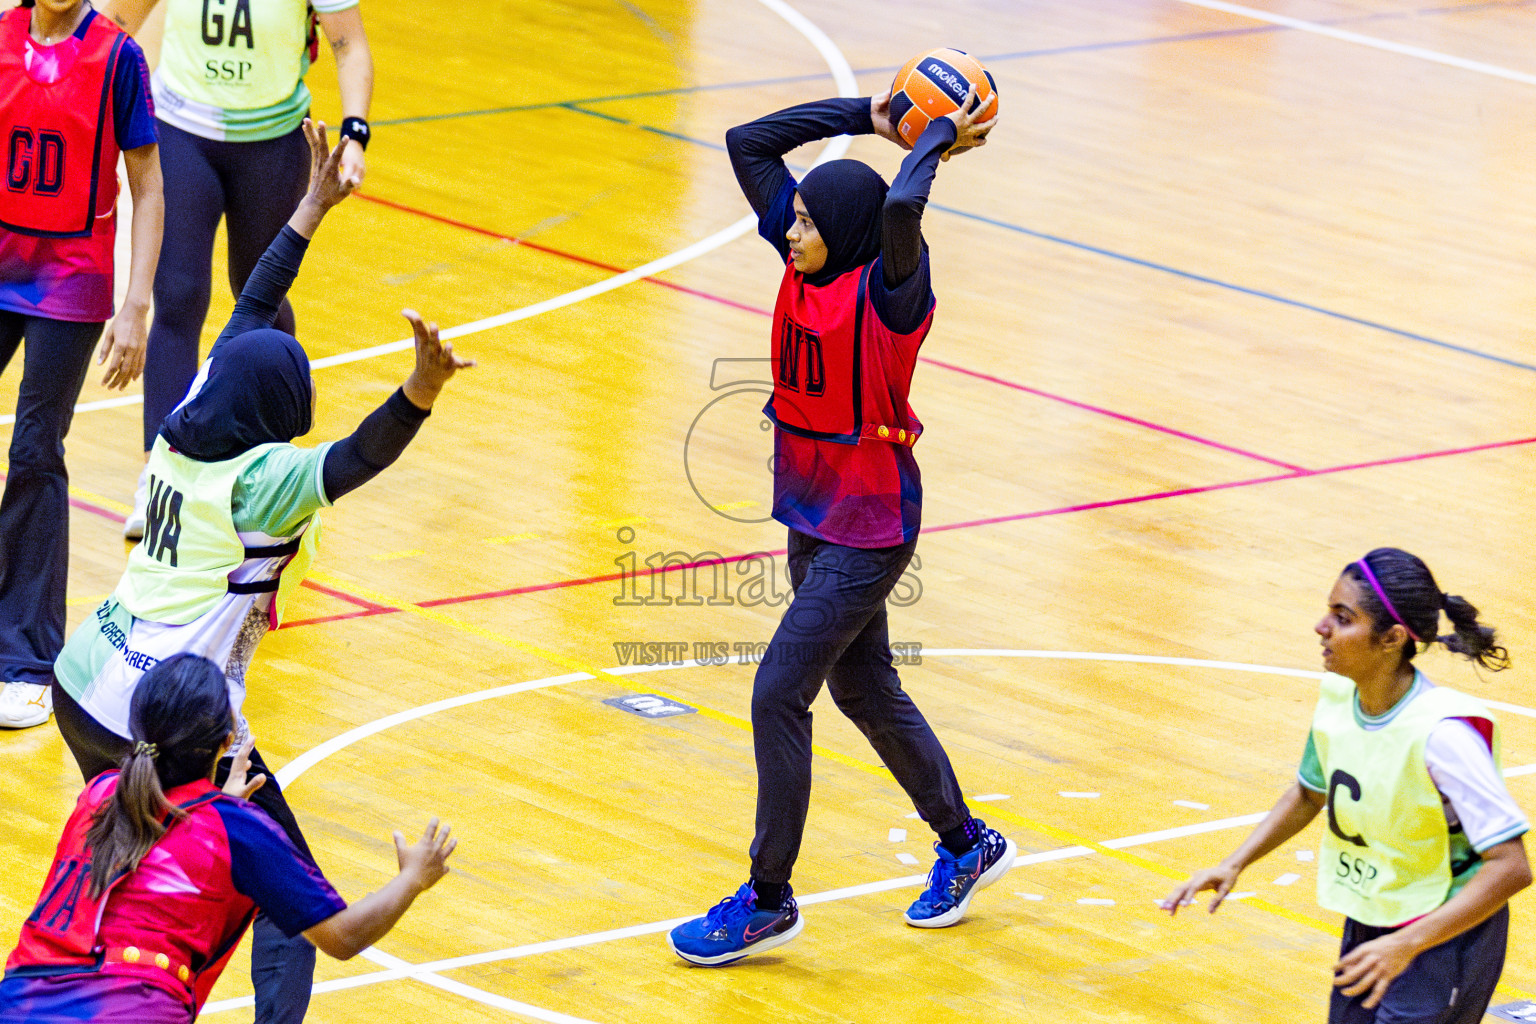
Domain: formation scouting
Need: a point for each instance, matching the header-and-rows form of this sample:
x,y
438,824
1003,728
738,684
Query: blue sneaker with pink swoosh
x,y
954,880
735,928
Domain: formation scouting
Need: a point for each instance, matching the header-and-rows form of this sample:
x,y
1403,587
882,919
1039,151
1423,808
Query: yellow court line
x,y
1051,831
100,499
85,495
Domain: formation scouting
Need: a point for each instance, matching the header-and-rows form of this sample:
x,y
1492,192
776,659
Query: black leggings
x,y
835,631
255,187
34,512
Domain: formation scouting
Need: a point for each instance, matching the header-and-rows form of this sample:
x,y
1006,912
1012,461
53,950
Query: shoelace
x,y
728,912
939,879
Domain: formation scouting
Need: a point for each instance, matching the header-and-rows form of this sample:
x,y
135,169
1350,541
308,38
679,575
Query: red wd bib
x,y
57,115
839,374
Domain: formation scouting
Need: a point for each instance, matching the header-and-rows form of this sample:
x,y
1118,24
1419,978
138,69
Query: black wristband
x,y
355,128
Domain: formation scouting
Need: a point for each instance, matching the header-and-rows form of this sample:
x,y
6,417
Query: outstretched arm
x,y
269,282
345,934
901,224
379,439
757,155
1292,812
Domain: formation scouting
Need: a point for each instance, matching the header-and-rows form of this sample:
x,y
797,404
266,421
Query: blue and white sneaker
x,y
735,928
954,880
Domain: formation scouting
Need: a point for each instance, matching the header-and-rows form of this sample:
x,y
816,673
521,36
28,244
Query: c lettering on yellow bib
x,y
1386,855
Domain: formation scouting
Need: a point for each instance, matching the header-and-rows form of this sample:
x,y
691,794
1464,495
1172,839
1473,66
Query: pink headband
x,y
1386,602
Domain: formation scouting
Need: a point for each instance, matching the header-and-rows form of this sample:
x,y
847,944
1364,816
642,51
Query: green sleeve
x,y
1310,774
281,489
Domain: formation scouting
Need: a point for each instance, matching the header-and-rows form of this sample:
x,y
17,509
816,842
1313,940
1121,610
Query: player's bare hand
x,y
123,345
1372,966
970,128
425,861
1220,878
237,784
327,184
435,362
880,117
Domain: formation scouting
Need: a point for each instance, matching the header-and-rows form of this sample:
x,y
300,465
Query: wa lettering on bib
x,y
1386,855
182,568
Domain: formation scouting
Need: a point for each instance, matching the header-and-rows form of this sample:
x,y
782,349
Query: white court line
x,y
399,969
470,992
1375,43
842,74
847,85
426,972
1512,708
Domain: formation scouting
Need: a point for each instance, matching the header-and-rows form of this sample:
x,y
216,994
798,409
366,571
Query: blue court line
x,y
1123,257
1187,37
1242,289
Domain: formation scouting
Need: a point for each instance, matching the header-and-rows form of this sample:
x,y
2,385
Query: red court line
x,y
1159,495
587,580
365,613
1114,415
992,520
349,598
105,513
91,507
709,296
557,252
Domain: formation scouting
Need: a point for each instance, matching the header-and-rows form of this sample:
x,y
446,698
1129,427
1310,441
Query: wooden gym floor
x,y
1234,295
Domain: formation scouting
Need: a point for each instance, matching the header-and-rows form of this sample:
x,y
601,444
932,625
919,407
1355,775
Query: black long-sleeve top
x,y
757,156
384,433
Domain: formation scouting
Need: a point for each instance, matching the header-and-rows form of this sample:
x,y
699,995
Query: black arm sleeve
x,y
902,222
757,154
377,442
904,293
268,283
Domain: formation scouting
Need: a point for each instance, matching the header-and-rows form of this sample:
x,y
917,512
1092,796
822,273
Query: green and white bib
x,y
181,568
1386,856
233,70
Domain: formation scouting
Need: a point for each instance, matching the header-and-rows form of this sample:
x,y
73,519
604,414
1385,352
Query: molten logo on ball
x,y
950,79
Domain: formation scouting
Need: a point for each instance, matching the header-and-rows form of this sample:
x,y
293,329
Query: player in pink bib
x,y
159,873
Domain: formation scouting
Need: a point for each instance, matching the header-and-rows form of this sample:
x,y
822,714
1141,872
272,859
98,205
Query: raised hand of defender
x,y
237,784
970,130
435,362
327,185
425,861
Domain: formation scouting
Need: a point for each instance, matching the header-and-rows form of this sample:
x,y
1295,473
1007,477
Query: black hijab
x,y
845,199
257,391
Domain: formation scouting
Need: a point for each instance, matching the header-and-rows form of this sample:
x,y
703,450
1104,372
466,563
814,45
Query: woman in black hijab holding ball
x,y
854,305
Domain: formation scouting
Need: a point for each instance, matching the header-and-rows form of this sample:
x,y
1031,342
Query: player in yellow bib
x,y
230,524
229,94
1424,846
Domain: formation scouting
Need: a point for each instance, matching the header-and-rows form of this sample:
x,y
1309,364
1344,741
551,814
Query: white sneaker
x,y
133,526
23,705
